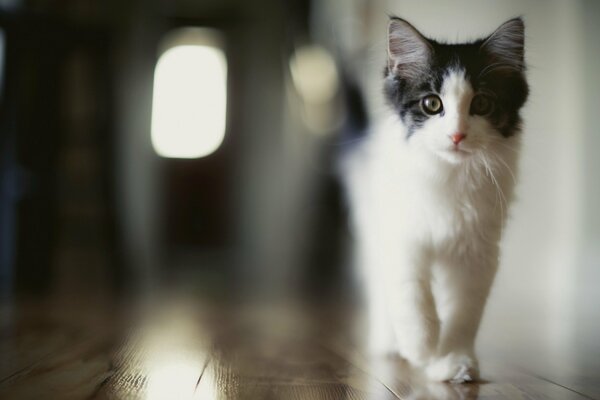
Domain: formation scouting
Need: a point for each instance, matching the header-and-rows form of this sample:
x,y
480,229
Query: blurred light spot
x,y
315,79
208,387
173,379
314,74
173,356
190,100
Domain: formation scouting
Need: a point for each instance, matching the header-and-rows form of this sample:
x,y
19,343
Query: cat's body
x,y
429,190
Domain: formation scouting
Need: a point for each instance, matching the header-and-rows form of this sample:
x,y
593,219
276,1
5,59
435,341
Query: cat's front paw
x,y
453,367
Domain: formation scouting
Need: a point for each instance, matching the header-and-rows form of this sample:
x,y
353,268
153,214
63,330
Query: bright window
x,y
190,96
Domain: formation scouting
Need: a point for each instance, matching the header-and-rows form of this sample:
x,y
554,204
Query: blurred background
x,y
152,143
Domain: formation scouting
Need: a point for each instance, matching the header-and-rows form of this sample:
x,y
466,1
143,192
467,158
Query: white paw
x,y
453,367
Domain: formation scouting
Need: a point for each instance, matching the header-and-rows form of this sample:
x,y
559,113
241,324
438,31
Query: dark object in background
x,y
56,145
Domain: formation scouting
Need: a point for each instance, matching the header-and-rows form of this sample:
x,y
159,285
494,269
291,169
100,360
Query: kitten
x,y
429,190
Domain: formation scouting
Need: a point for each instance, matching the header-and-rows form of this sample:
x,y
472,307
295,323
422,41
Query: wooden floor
x,y
189,349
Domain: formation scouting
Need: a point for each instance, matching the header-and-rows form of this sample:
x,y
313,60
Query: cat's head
x,y
457,100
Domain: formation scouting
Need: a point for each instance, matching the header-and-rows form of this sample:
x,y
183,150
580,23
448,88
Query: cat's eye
x,y
432,104
482,105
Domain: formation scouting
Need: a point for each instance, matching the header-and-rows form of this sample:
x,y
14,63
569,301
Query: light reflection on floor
x,y
274,351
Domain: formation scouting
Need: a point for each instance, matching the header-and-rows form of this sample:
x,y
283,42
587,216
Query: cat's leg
x,y
411,305
380,336
381,339
464,285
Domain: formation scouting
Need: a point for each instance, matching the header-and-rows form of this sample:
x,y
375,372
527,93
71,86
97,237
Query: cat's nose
x,y
457,137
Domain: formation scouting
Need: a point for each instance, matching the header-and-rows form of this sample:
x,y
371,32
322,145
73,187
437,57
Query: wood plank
x,y
163,357
288,370
73,373
44,332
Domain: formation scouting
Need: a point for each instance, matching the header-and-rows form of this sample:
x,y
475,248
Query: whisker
x,y
503,200
510,171
531,159
503,144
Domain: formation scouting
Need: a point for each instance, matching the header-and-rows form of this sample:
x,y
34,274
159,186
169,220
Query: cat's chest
x,y
436,211
445,214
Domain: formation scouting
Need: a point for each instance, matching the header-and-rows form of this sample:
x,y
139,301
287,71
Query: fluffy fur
x,y
428,213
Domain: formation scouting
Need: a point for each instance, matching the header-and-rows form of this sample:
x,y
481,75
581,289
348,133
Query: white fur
x,y
428,220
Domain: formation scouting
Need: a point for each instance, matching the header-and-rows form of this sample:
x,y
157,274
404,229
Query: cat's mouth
x,y
454,154
459,150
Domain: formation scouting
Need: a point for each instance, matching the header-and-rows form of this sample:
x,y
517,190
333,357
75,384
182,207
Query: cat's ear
x,y
506,46
409,52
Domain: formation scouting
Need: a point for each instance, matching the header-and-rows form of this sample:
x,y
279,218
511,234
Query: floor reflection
x,y
263,352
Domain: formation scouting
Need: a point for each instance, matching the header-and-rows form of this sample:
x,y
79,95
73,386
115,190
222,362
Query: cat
x,y
429,189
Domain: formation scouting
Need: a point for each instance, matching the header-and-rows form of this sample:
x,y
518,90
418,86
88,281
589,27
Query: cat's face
x,y
457,101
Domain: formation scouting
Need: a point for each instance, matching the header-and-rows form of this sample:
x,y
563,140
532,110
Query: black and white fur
x,y
428,207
